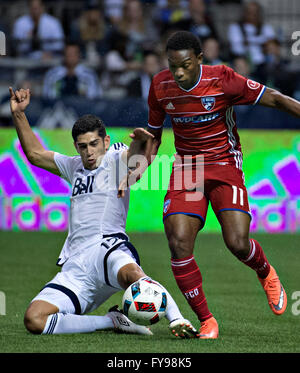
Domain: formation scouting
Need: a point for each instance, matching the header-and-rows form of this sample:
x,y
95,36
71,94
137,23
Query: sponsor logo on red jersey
x,y
196,118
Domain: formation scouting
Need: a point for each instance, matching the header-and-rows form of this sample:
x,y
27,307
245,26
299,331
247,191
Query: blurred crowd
x,y
112,48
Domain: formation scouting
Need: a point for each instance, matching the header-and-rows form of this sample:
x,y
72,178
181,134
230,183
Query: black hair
x,y
88,123
184,40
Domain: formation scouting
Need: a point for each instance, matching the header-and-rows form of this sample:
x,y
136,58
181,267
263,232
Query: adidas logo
x,y
170,106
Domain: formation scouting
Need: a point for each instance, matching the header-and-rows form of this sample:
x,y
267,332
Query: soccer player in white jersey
x,y
97,258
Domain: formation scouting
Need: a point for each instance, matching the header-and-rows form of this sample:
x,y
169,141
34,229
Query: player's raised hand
x,y
141,134
19,100
142,142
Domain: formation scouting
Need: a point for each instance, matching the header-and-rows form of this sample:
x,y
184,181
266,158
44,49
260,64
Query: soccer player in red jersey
x,y
199,100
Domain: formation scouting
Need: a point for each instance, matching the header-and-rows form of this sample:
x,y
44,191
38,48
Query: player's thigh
x,y
227,191
235,230
181,231
63,292
121,266
229,200
184,215
110,269
190,203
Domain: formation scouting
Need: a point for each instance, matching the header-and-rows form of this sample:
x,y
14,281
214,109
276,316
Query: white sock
x,y
64,323
172,311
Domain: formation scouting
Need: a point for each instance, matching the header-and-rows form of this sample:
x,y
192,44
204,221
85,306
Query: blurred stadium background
x,y
99,57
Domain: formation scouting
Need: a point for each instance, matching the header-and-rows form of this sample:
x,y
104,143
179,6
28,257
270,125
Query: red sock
x,y
257,259
189,281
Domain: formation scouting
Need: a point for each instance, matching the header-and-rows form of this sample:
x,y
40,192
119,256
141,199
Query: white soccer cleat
x,y
183,328
123,325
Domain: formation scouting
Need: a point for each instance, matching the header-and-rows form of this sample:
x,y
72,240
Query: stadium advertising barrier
x,y
34,199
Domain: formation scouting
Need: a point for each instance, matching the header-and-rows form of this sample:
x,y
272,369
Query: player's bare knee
x,y
179,247
239,246
34,321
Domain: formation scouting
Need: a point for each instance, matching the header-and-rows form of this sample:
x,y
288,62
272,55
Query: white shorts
x,y
88,279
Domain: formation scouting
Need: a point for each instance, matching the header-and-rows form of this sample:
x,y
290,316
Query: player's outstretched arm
x,y
33,149
136,157
275,99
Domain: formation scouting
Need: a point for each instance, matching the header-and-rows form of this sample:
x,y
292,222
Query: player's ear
x,y
200,58
106,142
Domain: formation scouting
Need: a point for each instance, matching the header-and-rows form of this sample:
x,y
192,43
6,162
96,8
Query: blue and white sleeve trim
x,y
260,95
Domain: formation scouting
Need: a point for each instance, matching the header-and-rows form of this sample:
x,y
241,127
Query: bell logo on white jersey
x,y
81,188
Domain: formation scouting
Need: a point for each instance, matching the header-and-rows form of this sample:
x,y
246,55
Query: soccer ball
x,y
145,302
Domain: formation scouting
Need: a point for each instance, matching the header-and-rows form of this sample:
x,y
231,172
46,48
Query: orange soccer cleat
x,y
275,292
209,329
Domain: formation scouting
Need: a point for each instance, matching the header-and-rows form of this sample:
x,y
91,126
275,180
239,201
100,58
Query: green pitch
x,y
233,293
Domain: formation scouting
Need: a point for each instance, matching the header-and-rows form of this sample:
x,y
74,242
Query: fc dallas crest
x,y
208,102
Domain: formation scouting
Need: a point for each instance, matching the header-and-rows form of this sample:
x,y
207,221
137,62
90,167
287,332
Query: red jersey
x,y
202,117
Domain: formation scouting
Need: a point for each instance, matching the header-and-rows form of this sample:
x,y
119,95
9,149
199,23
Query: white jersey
x,y
95,209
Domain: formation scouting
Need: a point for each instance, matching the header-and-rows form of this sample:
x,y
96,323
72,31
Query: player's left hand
x,y
142,142
141,134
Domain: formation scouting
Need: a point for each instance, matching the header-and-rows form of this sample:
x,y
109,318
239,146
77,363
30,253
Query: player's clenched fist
x,y
19,99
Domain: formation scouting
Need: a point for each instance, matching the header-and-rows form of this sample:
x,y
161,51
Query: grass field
x,y
234,296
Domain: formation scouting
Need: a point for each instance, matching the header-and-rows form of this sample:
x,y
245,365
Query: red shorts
x,y
221,185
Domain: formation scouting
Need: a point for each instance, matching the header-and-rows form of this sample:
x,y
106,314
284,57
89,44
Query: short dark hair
x,y
184,40
88,123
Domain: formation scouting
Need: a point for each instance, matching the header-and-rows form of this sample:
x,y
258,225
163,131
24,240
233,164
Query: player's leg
x,y
235,229
61,305
36,315
42,317
229,201
181,231
57,310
